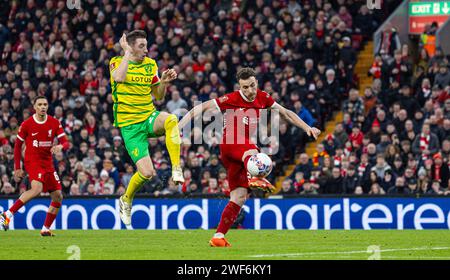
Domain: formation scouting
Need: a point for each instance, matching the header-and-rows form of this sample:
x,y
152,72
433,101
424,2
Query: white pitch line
x,y
347,252
411,258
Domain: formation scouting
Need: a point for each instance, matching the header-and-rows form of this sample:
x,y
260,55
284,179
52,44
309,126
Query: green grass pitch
x,y
246,245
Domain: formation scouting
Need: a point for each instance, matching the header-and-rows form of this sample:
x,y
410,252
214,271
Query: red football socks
x,y
229,215
16,206
50,216
49,219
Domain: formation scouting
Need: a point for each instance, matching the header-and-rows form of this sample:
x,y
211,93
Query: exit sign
x,y
429,8
423,13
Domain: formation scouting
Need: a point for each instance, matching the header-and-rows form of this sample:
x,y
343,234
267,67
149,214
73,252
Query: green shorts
x,y
136,137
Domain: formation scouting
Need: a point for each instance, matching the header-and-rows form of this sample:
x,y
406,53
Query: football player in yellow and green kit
x,y
134,80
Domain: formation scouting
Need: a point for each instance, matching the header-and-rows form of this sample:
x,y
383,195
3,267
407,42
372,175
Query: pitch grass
x,y
246,245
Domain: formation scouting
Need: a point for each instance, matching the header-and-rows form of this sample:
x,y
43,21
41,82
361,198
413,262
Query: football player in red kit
x,y
38,133
244,105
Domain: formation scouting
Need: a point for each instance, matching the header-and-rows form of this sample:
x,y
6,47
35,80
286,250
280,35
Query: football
x,y
259,165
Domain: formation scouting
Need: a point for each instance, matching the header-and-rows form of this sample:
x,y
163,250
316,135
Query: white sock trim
x,y
8,214
219,235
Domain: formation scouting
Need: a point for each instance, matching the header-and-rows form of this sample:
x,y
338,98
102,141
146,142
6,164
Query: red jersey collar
x,y
39,122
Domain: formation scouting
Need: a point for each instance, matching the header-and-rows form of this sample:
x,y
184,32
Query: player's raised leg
x,y
52,212
168,124
36,189
145,171
257,182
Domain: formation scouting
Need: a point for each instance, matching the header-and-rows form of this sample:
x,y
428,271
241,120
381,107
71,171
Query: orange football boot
x,y
4,221
47,233
261,184
219,242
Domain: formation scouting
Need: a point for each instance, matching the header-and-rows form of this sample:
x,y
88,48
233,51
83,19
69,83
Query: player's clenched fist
x,y
56,149
168,76
18,175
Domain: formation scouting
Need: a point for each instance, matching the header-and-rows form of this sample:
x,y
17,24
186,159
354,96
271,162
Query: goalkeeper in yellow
x,y
134,80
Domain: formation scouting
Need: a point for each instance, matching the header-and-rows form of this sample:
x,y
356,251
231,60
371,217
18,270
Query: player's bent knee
x,y
57,198
239,196
240,200
172,118
147,173
145,167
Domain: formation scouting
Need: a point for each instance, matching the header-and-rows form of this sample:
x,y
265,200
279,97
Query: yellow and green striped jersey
x,y
132,98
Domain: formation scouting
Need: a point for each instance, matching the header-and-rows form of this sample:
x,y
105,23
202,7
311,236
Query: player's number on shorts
x,y
375,249
56,176
75,251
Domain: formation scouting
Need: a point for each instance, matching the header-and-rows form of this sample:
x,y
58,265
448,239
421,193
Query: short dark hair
x,y
134,35
39,97
245,73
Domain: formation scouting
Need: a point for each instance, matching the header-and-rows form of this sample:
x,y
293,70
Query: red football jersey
x,y
241,115
38,138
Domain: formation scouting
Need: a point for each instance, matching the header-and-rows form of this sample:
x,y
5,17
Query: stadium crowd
x,y
394,139
304,52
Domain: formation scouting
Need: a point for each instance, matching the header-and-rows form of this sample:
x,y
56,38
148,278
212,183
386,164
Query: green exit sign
x,y
429,8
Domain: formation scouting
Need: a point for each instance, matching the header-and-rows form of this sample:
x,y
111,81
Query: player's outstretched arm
x,y
196,111
159,90
120,73
294,119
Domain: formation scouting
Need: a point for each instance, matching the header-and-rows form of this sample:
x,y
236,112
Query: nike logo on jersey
x,y
34,134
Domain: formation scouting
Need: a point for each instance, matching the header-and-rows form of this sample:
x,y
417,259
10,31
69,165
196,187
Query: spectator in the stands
x,y
304,113
309,189
334,184
176,104
75,189
436,189
287,187
400,187
351,180
442,79
426,143
412,186
376,189
440,171
212,187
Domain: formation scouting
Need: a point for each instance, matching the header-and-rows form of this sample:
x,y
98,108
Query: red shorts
x,y
49,179
231,156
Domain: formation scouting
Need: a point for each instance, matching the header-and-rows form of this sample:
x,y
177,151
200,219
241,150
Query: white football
x,y
259,165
